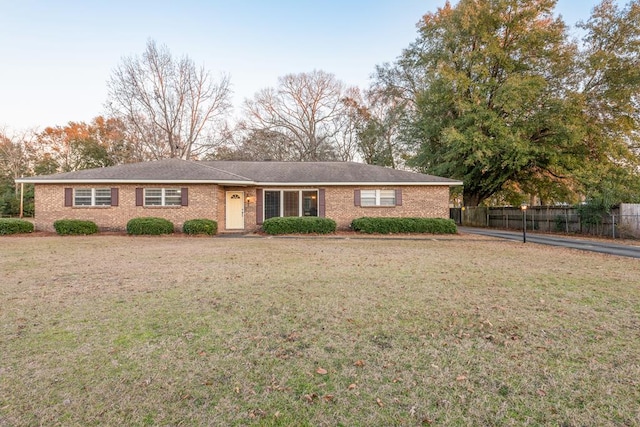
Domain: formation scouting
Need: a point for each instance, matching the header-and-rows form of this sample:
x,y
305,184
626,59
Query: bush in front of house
x,y
404,225
149,225
66,227
200,226
14,226
295,224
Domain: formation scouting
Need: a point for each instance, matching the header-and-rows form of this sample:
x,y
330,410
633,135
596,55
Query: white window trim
x,y
378,198
281,191
93,197
163,200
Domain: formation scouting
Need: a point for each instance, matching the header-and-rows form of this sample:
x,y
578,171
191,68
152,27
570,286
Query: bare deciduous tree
x,y
171,107
305,111
13,157
376,117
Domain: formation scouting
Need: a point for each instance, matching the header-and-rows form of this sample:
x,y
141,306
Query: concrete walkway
x,y
604,246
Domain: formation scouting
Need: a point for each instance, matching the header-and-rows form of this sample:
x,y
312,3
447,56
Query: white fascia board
x,y
352,184
230,183
136,181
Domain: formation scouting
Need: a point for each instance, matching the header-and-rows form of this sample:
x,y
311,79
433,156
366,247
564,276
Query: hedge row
x,y
404,225
149,225
75,226
200,226
278,225
293,225
14,226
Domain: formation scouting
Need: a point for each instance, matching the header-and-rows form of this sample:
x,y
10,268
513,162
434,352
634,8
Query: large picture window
x,y
92,197
290,203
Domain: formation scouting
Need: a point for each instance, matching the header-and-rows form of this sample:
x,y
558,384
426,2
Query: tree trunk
x,y
471,198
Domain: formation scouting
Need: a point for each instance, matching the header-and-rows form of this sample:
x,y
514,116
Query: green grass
x,y
114,330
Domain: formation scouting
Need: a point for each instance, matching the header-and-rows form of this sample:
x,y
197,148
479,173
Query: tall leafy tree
x,y
171,106
496,99
79,145
609,97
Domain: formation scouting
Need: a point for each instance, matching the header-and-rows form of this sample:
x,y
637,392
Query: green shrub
x,y
200,226
294,224
75,226
149,225
404,225
14,226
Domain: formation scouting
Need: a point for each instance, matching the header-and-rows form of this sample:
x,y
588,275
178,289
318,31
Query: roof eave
x,y
230,182
351,184
132,181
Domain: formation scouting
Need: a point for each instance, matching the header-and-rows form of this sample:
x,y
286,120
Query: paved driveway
x,y
545,239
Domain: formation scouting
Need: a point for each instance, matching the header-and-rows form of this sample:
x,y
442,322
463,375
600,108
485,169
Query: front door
x,y
235,210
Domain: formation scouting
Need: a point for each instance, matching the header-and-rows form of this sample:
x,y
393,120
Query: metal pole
x,y
613,225
21,199
524,226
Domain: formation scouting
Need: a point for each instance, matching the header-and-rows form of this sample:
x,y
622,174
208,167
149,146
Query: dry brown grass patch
x,y
115,330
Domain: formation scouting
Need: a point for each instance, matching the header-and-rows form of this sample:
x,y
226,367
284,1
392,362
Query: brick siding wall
x,y
208,201
417,201
49,202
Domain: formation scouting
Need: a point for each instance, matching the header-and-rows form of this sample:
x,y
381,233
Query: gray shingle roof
x,y
168,170
322,172
244,173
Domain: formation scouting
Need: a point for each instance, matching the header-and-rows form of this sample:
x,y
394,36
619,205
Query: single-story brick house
x,y
239,195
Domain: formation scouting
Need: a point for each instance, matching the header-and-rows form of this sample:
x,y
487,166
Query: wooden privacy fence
x,y
623,221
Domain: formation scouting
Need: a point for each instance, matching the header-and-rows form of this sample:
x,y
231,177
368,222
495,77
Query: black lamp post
x,y
524,222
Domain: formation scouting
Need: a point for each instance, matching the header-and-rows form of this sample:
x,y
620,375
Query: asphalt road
x,y
604,247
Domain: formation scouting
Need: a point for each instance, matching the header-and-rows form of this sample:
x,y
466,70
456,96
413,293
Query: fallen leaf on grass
x,y
321,371
257,413
351,386
379,402
358,363
310,397
461,378
541,392
328,397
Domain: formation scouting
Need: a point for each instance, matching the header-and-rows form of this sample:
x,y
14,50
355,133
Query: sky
x,y
56,56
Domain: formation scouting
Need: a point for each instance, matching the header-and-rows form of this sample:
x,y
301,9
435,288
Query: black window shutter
x,y
184,196
321,204
68,196
259,203
114,197
356,197
139,197
399,197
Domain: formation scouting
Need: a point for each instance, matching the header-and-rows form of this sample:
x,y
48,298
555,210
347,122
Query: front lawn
x,y
464,330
